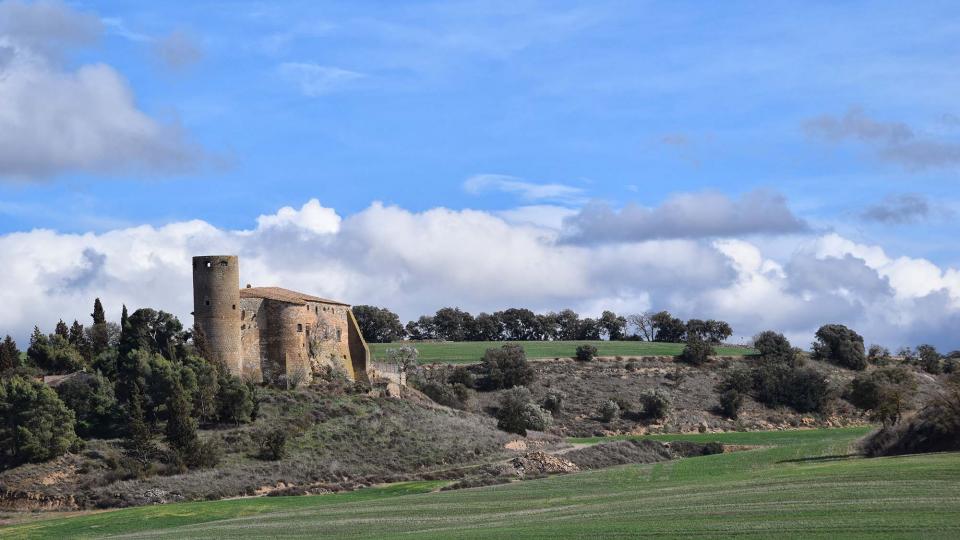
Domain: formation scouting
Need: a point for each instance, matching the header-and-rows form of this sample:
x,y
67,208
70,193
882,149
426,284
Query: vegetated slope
x,y
337,441
467,352
800,484
691,391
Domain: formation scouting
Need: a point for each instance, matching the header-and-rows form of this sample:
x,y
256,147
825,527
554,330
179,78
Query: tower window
x,y
207,302
299,328
234,306
338,334
208,264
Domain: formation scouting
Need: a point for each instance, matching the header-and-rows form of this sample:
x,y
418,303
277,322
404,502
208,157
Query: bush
x,y
272,442
586,353
608,410
773,347
730,403
740,380
462,375
506,367
91,398
655,405
697,351
929,359
936,428
839,345
54,354
444,394
885,392
802,389
878,356
36,425
518,413
553,402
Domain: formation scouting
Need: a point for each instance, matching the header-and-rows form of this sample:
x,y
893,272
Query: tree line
x,y
144,377
380,325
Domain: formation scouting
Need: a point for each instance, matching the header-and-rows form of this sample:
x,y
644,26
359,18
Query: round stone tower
x,y
216,301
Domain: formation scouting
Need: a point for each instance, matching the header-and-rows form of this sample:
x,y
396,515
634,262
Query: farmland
x,y
467,352
791,484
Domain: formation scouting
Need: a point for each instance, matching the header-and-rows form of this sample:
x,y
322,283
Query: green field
x,y
800,484
467,352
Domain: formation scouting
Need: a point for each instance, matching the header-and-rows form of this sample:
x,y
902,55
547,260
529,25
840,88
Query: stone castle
x,y
270,334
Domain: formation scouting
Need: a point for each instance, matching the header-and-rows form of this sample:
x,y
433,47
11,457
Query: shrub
x,y
271,442
462,375
405,358
929,359
506,367
586,352
740,380
553,402
730,403
518,413
878,356
608,410
773,347
36,425
54,354
444,394
839,345
91,398
885,392
802,389
697,351
936,428
655,404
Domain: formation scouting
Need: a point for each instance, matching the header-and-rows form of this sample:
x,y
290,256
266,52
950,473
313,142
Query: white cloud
x,y
416,262
687,215
528,191
54,120
314,80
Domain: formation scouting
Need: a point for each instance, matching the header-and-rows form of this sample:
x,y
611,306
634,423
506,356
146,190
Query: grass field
x,y
466,352
801,484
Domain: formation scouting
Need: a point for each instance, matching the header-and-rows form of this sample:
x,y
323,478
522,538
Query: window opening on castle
x,y
208,264
299,328
338,334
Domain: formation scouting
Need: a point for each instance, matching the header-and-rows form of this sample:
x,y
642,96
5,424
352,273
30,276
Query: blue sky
x,y
848,111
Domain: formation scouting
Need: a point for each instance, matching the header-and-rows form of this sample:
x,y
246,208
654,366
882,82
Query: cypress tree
x,y
78,338
138,441
181,430
98,332
62,330
9,354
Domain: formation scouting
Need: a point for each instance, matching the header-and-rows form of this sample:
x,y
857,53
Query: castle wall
x,y
216,298
253,350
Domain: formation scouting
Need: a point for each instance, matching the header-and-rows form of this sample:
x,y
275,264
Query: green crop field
x,y
795,484
467,352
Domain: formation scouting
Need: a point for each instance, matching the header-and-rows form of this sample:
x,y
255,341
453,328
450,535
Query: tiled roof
x,y
285,295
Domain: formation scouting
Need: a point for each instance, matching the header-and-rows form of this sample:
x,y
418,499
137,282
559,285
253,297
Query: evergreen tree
x,y
34,424
78,338
98,332
9,354
138,442
181,430
62,330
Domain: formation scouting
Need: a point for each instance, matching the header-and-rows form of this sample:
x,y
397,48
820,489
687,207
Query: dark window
x,y
224,263
243,327
299,328
234,306
207,302
338,334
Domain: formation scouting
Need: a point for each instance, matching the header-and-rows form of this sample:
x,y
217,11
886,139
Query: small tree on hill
x,y
773,347
929,359
655,404
518,413
99,336
609,410
586,352
405,358
138,441
181,429
697,351
507,367
840,345
884,392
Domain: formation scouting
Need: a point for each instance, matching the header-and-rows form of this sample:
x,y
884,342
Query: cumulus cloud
x,y
54,120
892,141
314,80
898,209
528,191
416,262
689,215
178,50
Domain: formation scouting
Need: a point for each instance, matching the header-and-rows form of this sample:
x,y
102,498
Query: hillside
x,y
466,352
793,484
